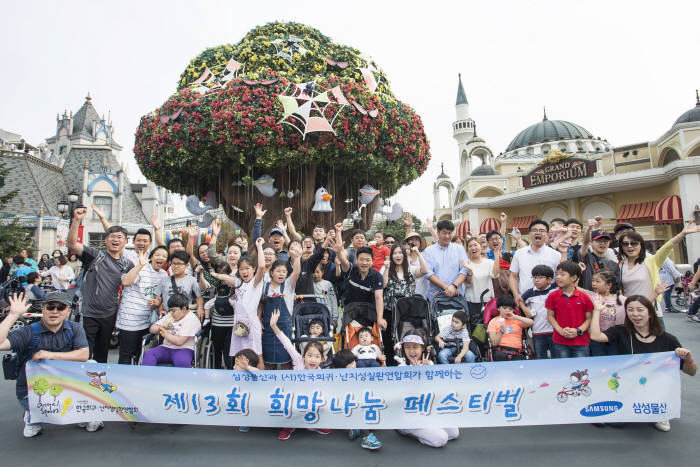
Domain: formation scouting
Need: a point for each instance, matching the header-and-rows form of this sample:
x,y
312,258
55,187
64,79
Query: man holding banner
x,y
52,338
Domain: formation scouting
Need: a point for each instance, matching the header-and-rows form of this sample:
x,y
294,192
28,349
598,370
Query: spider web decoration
x,y
305,110
368,73
287,47
224,73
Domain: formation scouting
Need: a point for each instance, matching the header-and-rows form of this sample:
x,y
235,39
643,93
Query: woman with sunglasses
x,y
639,270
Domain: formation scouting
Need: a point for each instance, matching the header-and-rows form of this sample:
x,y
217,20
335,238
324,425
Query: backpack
x,y
12,363
222,304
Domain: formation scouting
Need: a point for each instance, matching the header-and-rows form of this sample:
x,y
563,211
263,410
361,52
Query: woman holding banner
x,y
641,333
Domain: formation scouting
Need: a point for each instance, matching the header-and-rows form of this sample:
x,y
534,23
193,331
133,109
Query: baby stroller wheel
x,y
562,397
114,339
19,324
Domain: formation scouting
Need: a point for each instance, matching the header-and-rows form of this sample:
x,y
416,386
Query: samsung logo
x,y
601,408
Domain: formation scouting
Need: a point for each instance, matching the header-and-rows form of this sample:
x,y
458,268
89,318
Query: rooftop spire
x,y
545,113
474,130
461,95
442,168
88,99
697,99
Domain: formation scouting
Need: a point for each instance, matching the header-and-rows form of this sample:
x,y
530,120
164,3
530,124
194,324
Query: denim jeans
x,y
694,307
445,354
543,342
570,351
667,299
601,349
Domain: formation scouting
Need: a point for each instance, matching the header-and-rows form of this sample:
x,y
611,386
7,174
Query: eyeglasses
x,y
538,231
633,243
56,306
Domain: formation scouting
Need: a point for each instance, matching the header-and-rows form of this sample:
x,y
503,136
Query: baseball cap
x,y
412,339
276,230
58,297
623,226
598,234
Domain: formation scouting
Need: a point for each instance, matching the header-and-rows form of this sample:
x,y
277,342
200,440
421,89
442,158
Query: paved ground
x,y
561,445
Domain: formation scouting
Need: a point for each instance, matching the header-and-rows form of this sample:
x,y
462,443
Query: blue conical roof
x,y
461,95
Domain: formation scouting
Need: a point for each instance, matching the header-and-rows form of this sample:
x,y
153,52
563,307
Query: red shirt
x,y
570,312
379,255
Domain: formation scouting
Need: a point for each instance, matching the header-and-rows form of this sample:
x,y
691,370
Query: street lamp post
x,y
68,204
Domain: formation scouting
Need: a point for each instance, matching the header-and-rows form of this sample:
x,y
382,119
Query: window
x,y
104,203
97,240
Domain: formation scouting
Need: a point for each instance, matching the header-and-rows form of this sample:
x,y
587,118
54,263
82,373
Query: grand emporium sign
x,y
559,167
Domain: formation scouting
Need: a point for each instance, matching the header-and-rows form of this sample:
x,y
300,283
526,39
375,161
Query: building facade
x,y
81,158
556,168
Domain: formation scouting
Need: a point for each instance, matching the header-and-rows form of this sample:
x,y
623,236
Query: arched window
x,y
444,197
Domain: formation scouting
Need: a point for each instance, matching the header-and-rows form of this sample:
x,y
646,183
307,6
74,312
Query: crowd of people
x,y
579,296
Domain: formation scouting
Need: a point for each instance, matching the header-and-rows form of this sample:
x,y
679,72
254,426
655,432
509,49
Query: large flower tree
x,y
284,103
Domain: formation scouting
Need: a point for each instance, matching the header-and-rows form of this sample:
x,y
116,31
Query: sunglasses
x,y
630,243
56,306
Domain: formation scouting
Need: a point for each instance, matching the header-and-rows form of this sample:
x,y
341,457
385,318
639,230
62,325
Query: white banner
x,y
629,388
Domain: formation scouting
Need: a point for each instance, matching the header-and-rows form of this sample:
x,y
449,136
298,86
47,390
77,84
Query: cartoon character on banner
x,y
193,206
322,201
578,386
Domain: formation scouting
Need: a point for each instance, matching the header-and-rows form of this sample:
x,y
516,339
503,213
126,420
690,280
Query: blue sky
x,y
623,70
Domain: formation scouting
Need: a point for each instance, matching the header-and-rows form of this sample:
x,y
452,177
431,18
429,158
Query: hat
x,y
622,226
59,297
421,247
598,234
276,230
412,339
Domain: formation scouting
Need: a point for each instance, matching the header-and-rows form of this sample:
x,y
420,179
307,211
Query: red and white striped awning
x,y
489,224
637,212
669,210
522,223
462,229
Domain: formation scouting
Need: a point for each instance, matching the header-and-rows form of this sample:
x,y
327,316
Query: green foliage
x,y
13,237
41,386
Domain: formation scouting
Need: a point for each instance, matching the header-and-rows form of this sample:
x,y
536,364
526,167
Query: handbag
x,y
240,329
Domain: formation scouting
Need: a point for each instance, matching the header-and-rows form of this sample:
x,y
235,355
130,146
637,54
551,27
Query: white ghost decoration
x,y
265,185
395,213
322,201
367,194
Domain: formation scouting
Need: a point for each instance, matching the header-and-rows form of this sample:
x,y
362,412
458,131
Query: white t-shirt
x,y
61,273
481,280
526,258
187,326
134,314
422,284
288,294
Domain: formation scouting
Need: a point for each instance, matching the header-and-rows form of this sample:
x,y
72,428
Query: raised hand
x,y
18,304
592,223
661,287
408,220
79,214
281,225
192,231
288,212
216,227
428,223
259,243
143,258
98,212
259,212
597,301
691,228
273,318
516,234
295,250
504,217
154,221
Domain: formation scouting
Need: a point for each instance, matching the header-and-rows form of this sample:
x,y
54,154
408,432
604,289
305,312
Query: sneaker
x,y
30,429
371,442
244,429
692,318
285,433
663,426
321,431
354,434
94,426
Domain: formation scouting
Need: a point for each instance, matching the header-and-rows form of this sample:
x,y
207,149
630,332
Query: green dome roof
x,y
548,130
692,115
484,170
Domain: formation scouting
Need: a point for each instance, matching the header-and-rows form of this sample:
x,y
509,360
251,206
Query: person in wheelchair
x,y
506,331
454,341
178,329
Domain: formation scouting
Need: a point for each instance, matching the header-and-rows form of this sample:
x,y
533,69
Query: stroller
x,y
303,313
355,317
442,309
411,315
491,312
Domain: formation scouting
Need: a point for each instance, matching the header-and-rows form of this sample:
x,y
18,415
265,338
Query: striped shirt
x,y
134,314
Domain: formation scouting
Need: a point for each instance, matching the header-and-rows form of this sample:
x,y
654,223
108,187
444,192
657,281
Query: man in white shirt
x,y
527,258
